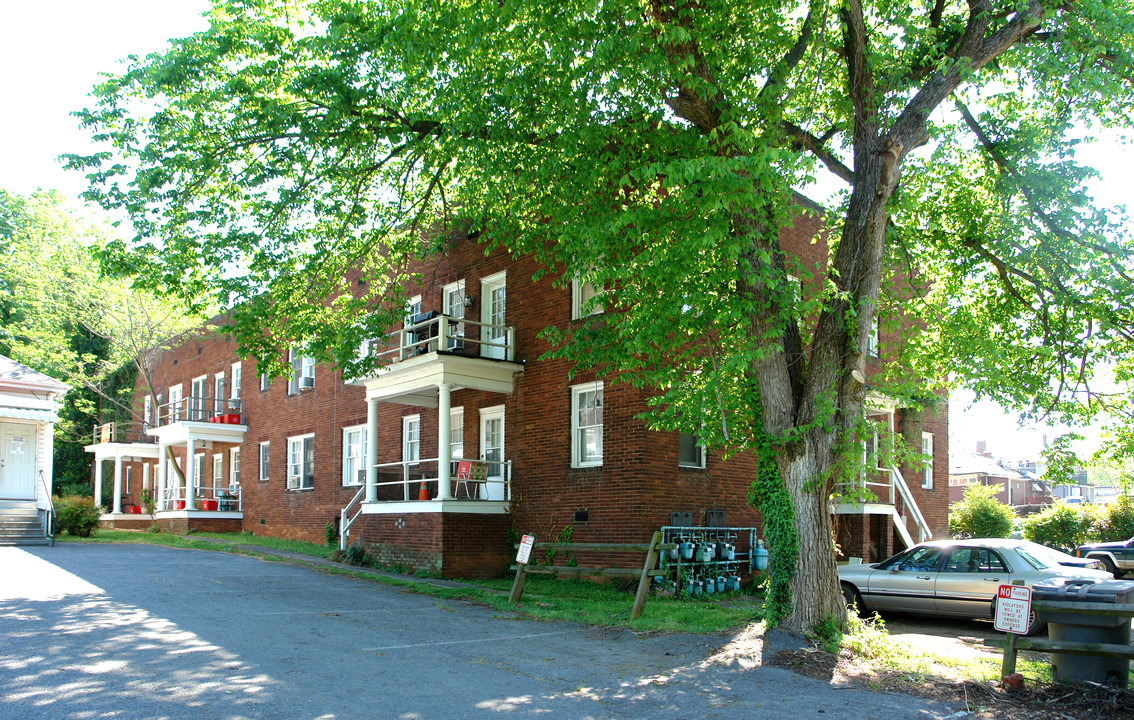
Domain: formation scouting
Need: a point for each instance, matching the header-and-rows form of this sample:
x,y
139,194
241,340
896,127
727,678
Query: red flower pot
x,y
178,504
209,505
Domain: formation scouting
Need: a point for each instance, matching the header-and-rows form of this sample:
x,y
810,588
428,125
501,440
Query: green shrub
x,y
1062,526
331,535
77,514
1116,520
980,515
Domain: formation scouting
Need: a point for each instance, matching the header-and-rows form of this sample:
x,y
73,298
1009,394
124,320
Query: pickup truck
x,y
1116,557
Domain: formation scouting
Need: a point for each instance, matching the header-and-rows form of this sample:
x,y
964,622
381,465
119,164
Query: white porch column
x,y
444,449
97,480
116,501
163,462
49,453
371,450
190,473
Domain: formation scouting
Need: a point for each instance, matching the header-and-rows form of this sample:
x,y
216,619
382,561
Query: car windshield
x,y
920,558
893,560
1041,557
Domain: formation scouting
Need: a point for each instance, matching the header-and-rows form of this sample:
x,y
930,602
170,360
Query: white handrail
x,y
345,521
923,530
49,516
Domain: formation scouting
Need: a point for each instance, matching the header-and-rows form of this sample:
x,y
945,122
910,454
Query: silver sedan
x,y
957,578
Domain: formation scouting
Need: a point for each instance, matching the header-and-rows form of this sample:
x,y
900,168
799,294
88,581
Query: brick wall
x,y
632,494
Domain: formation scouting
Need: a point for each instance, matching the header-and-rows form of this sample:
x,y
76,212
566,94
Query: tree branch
x,y
1037,211
817,146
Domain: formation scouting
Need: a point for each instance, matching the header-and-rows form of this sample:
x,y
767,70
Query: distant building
x,y
1016,488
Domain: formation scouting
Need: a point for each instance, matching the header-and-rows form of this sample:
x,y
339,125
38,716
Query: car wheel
x,y
852,598
1109,566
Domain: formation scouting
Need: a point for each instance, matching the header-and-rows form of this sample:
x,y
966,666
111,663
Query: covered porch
x,y
441,484
195,498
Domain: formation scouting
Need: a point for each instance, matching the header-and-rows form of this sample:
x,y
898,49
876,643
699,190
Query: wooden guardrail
x,y
1015,643
648,570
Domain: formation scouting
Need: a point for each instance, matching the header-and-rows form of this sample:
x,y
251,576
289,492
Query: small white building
x,y
29,405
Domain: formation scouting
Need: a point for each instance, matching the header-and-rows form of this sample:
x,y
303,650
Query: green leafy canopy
x,y
652,147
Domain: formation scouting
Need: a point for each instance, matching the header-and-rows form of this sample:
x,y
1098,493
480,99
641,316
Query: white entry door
x,y
17,461
492,450
493,301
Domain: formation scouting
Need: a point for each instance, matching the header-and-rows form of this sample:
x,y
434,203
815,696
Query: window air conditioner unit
x,y
456,343
306,382
361,476
234,404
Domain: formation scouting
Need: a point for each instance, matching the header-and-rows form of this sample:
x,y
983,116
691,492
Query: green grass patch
x,y
868,639
608,604
295,546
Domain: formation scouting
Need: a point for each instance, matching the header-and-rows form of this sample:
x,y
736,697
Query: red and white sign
x,y
1013,608
525,550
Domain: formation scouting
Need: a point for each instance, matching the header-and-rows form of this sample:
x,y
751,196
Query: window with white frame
x,y
301,462
264,452
872,339
199,469
796,286
234,468
174,411
198,392
354,455
128,473
457,433
453,305
927,461
147,411
690,453
586,425
413,309
302,372
218,394
584,300
235,381
411,438
265,382
218,470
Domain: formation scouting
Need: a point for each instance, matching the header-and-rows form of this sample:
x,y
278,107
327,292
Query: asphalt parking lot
x,y
125,631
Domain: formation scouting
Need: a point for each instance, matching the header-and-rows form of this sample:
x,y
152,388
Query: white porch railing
x,y
924,532
227,499
409,481
887,492
431,331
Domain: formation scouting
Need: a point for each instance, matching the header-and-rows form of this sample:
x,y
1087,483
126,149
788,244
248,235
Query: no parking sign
x,y
1013,608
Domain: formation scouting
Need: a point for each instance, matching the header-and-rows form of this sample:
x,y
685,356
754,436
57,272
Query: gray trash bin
x,y
1076,627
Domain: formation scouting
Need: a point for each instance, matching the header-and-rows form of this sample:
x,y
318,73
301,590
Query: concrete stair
x,y
20,523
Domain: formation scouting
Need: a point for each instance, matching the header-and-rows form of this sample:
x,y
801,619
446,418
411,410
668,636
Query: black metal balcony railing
x,y
122,432
202,409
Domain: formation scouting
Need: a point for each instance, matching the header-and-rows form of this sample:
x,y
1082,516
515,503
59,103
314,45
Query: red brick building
x,y
464,434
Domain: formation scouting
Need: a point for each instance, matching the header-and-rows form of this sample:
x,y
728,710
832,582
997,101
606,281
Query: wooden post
x,y
644,582
518,583
1008,667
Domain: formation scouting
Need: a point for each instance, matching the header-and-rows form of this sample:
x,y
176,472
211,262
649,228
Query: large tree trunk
x,y
836,373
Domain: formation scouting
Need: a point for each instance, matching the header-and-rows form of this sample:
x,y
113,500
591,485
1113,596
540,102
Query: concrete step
x,y
23,542
21,523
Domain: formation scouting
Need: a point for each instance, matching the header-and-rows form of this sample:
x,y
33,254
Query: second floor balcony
x,y
201,408
122,432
